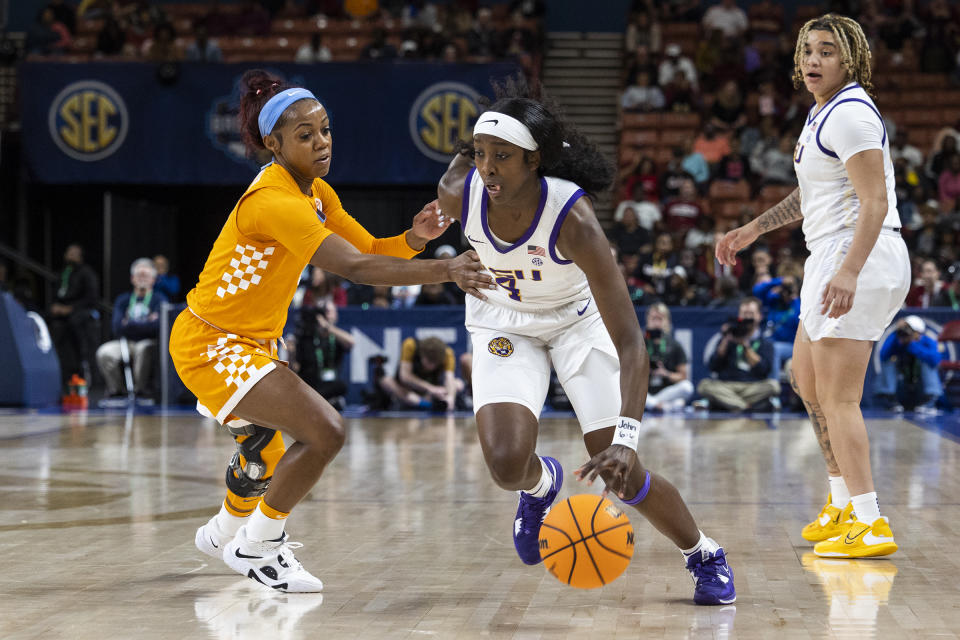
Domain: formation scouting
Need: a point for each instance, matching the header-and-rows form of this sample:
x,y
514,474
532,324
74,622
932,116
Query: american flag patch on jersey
x,y
534,250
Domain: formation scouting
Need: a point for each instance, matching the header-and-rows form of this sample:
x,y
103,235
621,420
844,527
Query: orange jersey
x,y
254,267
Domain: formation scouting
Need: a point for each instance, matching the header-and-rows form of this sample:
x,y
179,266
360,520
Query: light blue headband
x,y
276,105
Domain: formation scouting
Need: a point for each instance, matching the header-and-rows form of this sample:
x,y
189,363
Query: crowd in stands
x,y
304,31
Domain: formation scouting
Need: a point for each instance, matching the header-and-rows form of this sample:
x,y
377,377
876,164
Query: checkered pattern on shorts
x,y
245,269
228,360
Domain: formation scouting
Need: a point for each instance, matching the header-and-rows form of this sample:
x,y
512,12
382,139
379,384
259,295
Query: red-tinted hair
x,y
258,87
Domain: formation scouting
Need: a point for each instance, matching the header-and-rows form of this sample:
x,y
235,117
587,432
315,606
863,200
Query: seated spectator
x,y
728,18
404,296
726,293
643,29
163,46
379,48
313,51
939,160
111,38
924,241
734,166
697,279
320,347
425,378
781,304
678,292
930,290
695,164
434,294
776,164
702,235
628,235
669,387
728,113
251,20
901,148
657,266
73,318
642,95
949,184
167,283
482,38
908,368
681,213
741,365
641,171
48,36
680,96
708,54
712,145
136,319
647,211
675,64
65,14
203,49
674,176
640,61
769,103
446,252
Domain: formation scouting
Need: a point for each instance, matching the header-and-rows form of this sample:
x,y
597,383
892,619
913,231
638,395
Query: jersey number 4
x,y
507,278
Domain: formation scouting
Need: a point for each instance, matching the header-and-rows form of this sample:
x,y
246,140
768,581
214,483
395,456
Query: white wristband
x,y
627,432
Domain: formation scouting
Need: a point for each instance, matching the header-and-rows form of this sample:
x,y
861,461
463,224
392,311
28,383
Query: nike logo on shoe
x,y
243,555
848,540
215,545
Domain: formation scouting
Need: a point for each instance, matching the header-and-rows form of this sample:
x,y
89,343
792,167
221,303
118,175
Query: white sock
x,y
703,544
262,527
229,523
839,494
543,486
866,507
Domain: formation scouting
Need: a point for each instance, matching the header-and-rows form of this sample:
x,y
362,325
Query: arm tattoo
x,y
819,422
785,212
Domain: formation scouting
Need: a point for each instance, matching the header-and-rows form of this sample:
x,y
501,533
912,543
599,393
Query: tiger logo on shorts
x,y
500,347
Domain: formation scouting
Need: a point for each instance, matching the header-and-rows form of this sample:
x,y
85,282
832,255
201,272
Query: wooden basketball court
x,y
413,540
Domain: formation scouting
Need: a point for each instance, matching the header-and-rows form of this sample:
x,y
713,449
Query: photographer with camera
x,y
669,388
908,369
741,364
321,347
781,303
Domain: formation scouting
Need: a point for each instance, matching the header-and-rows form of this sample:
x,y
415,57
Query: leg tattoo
x,y
819,422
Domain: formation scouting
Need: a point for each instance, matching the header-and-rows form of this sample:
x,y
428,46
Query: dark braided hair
x,y
581,162
258,87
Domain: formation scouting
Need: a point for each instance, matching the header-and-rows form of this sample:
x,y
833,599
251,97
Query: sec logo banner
x,y
88,120
443,114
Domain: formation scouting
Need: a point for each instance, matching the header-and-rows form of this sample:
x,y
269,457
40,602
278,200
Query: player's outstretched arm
x,y
784,212
583,241
340,257
450,188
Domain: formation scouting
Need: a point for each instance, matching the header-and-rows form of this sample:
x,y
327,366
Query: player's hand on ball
x,y
615,462
467,271
430,223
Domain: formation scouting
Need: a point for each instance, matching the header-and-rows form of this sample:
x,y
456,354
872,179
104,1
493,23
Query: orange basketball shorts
x,y
218,367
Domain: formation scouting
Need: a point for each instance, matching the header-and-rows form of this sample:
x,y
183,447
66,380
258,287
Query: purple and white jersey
x,y
846,125
532,274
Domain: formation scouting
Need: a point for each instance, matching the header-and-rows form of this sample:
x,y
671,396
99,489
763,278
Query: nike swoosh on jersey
x,y
475,240
580,312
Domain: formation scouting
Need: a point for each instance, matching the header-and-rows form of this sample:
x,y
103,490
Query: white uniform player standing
x,y
520,193
855,279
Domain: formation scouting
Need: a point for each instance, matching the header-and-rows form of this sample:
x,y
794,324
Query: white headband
x,y
505,127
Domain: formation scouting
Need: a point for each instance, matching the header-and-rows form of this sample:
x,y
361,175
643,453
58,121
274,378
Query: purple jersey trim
x,y
529,232
552,244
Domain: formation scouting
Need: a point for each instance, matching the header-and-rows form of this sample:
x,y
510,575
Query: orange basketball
x,y
586,541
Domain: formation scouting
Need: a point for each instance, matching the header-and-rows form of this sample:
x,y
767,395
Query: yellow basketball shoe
x,y
859,540
829,523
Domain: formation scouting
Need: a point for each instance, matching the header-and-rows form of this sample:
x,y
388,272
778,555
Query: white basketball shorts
x,y
881,287
513,351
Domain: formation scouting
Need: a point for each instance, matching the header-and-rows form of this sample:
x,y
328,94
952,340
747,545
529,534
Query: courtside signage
x,y
88,120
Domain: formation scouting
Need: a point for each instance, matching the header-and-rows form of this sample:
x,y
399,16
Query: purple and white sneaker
x,y
530,514
712,576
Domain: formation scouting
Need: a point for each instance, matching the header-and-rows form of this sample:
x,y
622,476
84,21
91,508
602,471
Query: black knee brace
x,y
247,480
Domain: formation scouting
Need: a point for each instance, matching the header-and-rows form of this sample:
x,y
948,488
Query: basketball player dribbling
x,y
518,189
855,279
224,344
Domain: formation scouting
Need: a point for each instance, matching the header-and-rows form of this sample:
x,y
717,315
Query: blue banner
x,y
382,331
116,123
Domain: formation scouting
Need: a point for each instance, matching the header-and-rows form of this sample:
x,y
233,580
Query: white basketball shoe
x,y
270,563
211,539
